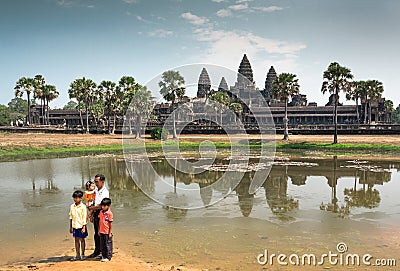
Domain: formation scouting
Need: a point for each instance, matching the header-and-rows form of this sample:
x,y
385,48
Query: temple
x,y
258,106
204,85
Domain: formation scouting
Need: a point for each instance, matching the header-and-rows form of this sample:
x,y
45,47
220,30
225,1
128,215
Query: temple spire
x,y
204,85
223,85
245,69
271,76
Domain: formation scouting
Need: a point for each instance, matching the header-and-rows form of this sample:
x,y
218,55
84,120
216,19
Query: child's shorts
x,y
77,233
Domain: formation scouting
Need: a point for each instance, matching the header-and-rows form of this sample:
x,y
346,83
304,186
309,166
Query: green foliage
x,y
141,103
236,107
172,86
71,105
96,110
221,98
220,102
110,93
18,105
129,88
85,92
285,85
336,78
396,115
389,105
5,117
159,133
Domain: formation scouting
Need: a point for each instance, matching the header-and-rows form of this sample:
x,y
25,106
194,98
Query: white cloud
x,y
219,1
224,13
130,1
243,6
160,33
74,4
140,18
226,48
269,9
239,6
194,19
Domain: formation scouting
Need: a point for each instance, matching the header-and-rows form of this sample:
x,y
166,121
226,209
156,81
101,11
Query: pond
x,y
307,204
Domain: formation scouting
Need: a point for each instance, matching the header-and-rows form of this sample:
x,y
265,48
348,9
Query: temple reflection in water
x,y
296,172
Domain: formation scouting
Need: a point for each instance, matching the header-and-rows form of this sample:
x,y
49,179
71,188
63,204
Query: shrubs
x,y
159,133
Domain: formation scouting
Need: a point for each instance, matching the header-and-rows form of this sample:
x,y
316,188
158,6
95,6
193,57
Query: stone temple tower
x,y
271,76
245,70
204,85
223,85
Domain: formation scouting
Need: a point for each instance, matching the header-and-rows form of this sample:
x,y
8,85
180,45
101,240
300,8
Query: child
x,y
105,231
77,224
89,197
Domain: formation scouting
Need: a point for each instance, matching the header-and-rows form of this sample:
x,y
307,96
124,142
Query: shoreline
x,y
120,261
20,147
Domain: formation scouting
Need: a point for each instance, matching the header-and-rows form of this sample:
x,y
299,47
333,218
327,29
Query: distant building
x,y
253,100
300,112
204,85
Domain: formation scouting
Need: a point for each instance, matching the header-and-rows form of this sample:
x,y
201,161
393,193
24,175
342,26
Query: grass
x,y
27,153
339,147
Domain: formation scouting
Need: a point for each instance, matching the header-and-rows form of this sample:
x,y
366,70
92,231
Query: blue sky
x,y
104,40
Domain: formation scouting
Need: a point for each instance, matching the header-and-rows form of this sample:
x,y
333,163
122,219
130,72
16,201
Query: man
x,y
101,192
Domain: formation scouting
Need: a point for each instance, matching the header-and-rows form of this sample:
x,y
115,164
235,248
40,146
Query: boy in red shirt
x,y
105,230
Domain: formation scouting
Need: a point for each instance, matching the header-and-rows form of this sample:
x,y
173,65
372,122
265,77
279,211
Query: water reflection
x,y
40,192
279,202
282,203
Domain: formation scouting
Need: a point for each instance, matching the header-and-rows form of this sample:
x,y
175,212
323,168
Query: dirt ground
x,y
46,140
120,261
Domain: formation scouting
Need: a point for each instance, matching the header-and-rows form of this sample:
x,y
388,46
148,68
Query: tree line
x,y
336,79
106,99
109,99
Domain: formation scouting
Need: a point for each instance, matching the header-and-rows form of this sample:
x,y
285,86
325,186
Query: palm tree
x,y
25,85
284,86
109,92
96,110
84,91
220,102
336,78
237,108
129,88
374,90
355,94
38,93
141,107
49,94
172,89
389,107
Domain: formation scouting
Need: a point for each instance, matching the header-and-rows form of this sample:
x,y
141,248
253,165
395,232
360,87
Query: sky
x,y
105,40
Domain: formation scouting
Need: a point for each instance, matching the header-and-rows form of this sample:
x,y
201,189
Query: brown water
x,y
307,205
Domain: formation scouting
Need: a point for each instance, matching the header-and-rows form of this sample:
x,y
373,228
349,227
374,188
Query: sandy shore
x,y
120,261
46,140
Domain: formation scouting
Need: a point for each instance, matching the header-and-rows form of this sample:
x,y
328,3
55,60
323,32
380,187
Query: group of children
x,y
79,218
